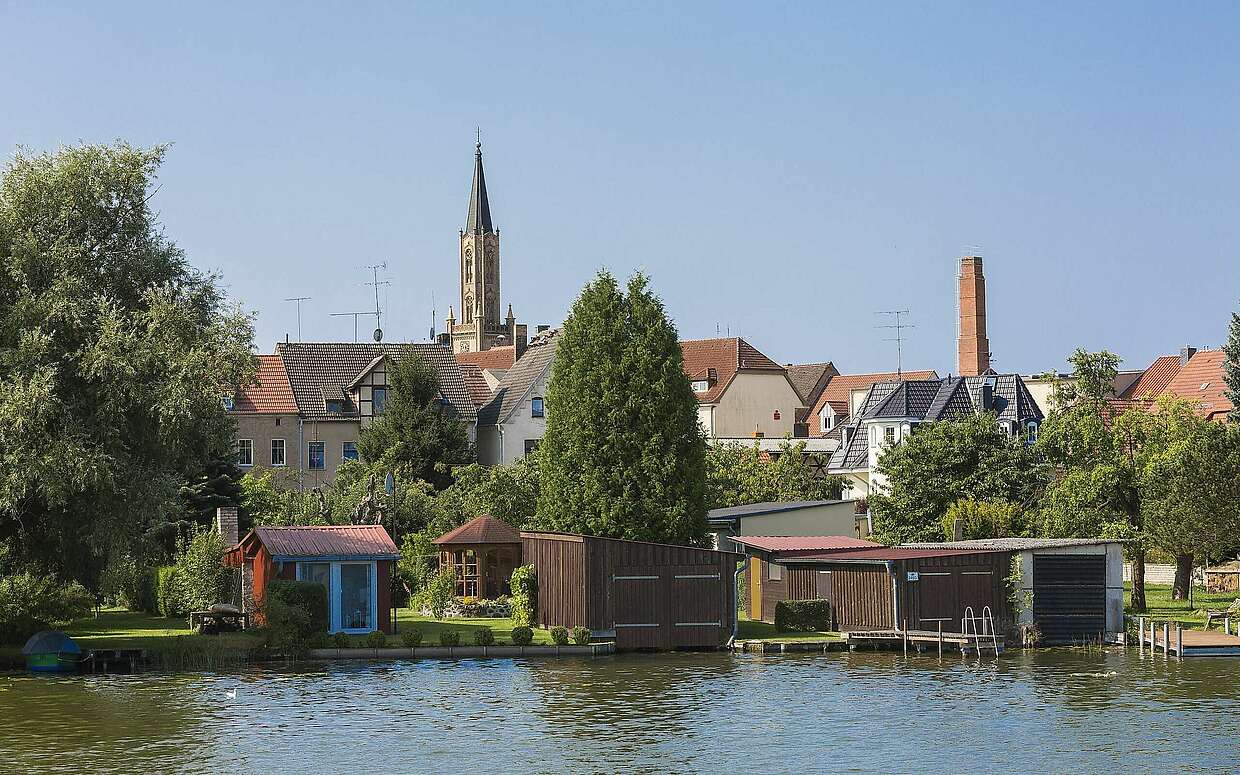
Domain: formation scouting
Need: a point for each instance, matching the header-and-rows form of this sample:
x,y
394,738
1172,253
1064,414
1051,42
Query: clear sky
x,y
781,171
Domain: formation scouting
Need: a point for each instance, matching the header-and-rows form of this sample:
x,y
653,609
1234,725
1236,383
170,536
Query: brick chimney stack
x,y
226,524
972,347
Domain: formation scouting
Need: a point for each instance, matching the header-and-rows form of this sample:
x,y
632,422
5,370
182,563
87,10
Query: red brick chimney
x,y
972,346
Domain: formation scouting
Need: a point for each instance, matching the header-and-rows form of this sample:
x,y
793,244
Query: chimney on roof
x,y
1186,352
972,346
226,524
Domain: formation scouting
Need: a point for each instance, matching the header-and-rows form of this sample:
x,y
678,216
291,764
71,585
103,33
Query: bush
x,y
375,640
483,636
984,519
127,581
31,602
439,591
559,636
296,613
412,637
803,615
522,635
170,591
204,579
524,601
581,636
449,638
341,640
309,596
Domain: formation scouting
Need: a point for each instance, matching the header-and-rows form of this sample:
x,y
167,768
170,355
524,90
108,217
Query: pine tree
x,y
1231,366
623,455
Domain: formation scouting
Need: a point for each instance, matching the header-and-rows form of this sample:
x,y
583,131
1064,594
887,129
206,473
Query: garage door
x,y
1069,597
668,607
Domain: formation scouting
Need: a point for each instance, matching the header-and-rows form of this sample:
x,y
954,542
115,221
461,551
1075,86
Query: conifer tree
x,y
1231,366
623,455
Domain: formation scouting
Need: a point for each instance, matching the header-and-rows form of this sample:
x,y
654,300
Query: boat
x,y
51,651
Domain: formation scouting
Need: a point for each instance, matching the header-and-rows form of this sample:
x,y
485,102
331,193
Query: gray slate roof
x,y
321,370
1014,544
479,219
519,380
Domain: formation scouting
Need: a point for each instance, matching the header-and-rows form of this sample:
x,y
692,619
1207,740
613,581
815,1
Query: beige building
x,y
514,420
741,393
267,423
793,518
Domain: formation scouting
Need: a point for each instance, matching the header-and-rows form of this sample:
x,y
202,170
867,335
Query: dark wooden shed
x,y
645,595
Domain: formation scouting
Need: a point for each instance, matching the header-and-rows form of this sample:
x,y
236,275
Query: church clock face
x,y
469,252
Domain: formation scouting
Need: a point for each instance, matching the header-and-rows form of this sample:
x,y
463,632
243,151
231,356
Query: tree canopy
x,y
737,474
623,455
114,356
1231,367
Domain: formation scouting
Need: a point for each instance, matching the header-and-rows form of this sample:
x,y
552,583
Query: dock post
x,y
940,638
1166,639
1227,625
1141,635
905,637
1179,641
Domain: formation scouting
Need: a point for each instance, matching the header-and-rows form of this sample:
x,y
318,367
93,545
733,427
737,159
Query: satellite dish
x,y
378,334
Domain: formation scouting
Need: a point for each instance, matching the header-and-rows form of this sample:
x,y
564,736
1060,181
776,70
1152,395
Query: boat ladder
x,y
987,620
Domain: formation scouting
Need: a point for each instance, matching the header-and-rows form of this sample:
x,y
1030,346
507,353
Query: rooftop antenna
x,y
376,282
899,327
299,300
355,316
433,313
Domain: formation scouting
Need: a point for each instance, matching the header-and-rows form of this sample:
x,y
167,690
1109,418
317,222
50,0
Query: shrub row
x,y
803,615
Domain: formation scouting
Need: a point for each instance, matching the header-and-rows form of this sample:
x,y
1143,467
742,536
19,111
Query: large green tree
x,y
1231,366
623,455
418,436
944,462
114,355
737,474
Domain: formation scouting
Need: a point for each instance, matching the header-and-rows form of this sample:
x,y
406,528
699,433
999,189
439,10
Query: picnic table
x,y
212,622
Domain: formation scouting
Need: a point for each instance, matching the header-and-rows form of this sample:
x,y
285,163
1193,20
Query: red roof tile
x,y
495,358
803,543
270,393
840,387
481,530
1201,381
476,384
370,541
1153,381
726,357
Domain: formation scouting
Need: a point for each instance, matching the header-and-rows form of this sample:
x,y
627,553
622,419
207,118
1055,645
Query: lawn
x,y
1161,607
752,630
502,628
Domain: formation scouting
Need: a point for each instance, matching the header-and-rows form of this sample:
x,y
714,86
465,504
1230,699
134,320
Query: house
x,y
1069,590
741,393
809,379
1200,380
340,387
791,518
644,595
354,562
483,553
842,394
514,419
267,422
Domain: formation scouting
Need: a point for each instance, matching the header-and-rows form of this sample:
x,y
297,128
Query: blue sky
x,y
782,171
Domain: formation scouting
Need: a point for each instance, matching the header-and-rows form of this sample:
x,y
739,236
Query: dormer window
x,y
889,435
335,406
700,385
228,403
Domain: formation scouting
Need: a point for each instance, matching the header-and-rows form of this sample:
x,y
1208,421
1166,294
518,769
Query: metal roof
x,y
729,513
1014,544
361,541
804,543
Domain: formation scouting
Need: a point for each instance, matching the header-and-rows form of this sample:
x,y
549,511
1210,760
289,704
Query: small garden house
x,y
354,562
484,552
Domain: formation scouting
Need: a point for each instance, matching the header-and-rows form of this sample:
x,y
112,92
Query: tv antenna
x,y
899,327
376,282
299,300
432,316
355,316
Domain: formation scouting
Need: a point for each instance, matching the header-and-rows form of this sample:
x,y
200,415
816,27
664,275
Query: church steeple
x,y
479,219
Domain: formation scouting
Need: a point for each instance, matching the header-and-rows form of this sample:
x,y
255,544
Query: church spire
x,y
479,219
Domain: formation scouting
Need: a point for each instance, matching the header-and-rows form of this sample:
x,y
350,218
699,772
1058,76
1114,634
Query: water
x,y
1052,711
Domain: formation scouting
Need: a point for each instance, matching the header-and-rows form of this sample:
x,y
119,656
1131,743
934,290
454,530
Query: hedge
x,y
169,591
803,615
308,596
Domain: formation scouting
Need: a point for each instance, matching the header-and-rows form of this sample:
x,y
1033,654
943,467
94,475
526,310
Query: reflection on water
x,y
1053,711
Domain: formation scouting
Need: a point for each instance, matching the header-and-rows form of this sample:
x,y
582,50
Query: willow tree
x,y
114,357
623,455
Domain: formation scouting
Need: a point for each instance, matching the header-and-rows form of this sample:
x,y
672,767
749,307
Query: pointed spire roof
x,y
479,219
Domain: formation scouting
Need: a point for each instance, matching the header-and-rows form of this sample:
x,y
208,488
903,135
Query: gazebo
x,y
484,552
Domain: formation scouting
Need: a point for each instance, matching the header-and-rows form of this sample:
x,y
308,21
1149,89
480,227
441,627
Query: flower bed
x,y
475,608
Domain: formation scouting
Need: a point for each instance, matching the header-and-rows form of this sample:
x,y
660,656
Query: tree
x,y
114,355
738,474
623,455
507,492
218,485
944,462
984,519
418,435
1231,366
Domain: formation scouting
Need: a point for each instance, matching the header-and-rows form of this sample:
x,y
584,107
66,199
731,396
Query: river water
x,y
1063,711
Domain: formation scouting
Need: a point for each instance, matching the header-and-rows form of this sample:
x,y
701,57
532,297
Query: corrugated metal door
x,y
1069,597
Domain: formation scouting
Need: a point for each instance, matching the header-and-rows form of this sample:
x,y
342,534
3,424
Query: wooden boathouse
x,y
644,595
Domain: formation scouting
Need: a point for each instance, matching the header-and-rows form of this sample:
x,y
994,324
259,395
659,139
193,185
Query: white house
x,y
512,423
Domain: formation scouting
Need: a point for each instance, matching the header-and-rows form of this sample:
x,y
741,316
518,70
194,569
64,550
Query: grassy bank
x,y
1160,606
753,630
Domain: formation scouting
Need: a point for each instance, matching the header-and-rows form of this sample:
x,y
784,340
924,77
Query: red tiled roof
x,y
476,384
726,357
481,530
327,541
840,387
1153,381
804,543
495,358
1201,381
884,553
270,393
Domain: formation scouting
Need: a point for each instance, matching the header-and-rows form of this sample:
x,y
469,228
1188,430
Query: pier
x,y
1173,640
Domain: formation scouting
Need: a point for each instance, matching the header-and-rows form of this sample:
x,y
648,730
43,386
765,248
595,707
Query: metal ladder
x,y
988,628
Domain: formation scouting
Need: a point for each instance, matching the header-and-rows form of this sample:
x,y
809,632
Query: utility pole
x,y
376,282
299,300
899,327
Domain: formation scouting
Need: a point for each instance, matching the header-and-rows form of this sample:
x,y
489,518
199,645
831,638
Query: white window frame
x,y
774,571
310,458
701,385
248,446
890,435
279,444
541,411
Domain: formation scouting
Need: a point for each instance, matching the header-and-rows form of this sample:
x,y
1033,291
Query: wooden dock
x,y
1173,640
924,640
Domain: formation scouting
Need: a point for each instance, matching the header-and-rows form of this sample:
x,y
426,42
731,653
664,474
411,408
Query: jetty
x,y
1172,639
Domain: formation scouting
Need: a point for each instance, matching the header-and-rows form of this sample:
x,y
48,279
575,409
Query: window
x,y
348,450
889,435
378,399
1032,429
536,407
466,562
320,572
774,571
531,445
315,455
700,386
335,405
873,436
228,403
277,452
245,452
356,596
